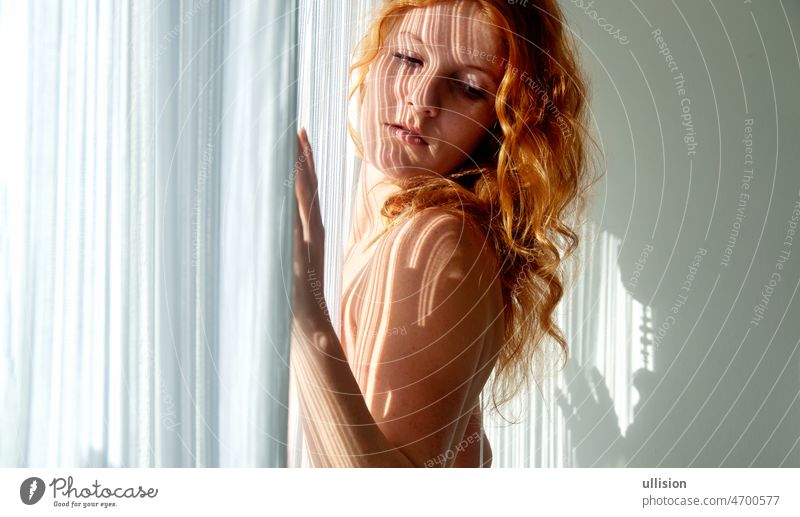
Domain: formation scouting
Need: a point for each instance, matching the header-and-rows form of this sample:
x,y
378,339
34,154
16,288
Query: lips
x,y
407,134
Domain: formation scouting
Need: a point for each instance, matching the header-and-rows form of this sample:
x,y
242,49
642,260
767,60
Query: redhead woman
x,y
472,136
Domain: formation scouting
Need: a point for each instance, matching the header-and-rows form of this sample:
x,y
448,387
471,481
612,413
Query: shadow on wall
x,y
593,425
703,193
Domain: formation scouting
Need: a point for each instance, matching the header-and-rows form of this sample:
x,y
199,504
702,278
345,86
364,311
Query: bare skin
x,y
422,306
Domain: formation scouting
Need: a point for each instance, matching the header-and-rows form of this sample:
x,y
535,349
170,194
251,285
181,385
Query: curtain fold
x,y
144,310
257,216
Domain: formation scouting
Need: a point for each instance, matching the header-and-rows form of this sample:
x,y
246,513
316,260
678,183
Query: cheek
x,y
379,83
378,98
369,115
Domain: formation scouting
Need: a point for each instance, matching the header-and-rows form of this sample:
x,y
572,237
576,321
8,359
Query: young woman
x,y
473,145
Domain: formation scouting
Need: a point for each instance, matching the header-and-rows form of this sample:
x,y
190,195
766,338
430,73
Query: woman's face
x,y
437,75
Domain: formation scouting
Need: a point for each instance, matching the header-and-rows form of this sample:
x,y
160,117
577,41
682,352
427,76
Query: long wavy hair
x,y
525,186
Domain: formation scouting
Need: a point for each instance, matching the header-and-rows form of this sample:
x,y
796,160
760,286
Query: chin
x,y
394,166
401,171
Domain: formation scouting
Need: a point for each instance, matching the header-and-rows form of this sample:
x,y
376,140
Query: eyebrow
x,y
412,35
486,71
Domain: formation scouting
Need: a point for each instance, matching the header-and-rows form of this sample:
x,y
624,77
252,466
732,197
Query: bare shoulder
x,y
446,242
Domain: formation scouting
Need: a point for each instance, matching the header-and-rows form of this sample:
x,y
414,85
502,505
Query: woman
x,y
472,139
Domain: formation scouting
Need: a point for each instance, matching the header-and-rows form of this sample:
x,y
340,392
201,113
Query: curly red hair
x,y
525,181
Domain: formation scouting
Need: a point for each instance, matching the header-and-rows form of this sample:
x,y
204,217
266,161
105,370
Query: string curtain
x,y
143,308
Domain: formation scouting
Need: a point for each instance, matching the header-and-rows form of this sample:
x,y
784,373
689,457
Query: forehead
x,y
450,26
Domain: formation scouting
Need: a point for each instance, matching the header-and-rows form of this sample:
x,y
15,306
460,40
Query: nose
x,y
422,95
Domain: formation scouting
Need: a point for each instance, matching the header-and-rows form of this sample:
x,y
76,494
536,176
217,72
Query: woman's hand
x,y
308,300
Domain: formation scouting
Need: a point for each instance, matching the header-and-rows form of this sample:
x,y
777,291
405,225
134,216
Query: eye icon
x,y
31,490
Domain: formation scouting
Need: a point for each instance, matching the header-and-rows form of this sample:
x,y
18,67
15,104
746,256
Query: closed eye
x,y
406,59
469,91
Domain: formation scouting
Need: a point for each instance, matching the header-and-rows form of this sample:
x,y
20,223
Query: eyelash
x,y
470,91
407,60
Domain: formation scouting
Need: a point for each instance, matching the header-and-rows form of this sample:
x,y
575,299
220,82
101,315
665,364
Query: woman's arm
x,y
337,424
422,333
429,302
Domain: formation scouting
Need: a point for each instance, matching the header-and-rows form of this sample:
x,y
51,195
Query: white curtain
x,y
257,214
144,232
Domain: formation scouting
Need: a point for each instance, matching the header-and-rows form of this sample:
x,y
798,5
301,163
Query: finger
x,y
297,249
310,188
600,387
314,215
299,160
309,155
299,243
302,196
303,227
298,221
309,169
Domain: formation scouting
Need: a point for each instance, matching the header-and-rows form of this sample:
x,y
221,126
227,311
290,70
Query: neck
x,y
374,187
